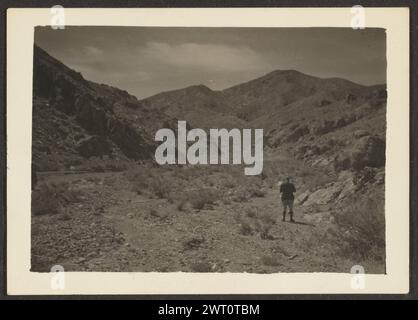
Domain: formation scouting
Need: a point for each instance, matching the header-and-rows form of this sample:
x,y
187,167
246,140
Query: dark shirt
x,y
287,189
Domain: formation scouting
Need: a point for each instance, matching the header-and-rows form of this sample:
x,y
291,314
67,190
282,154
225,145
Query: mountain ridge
x,y
294,109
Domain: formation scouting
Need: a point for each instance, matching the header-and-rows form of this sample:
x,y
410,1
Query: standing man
x,y
287,190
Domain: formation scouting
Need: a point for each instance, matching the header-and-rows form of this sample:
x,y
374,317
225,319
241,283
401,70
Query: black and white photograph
x,y
211,150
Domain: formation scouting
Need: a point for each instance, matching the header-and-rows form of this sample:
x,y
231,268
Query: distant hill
x,y
280,89
199,105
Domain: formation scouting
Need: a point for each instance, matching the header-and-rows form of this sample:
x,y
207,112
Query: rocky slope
x,y
75,119
321,121
199,105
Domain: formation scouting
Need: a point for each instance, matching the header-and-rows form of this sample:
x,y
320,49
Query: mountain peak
x,y
199,87
288,74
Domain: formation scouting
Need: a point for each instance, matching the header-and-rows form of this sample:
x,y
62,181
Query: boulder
x,y
325,195
301,198
368,151
380,177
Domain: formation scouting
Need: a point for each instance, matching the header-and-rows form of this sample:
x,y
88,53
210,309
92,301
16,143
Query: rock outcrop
x,y
75,118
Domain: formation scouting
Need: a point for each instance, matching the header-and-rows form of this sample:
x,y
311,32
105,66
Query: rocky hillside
x,y
75,119
310,117
321,121
199,105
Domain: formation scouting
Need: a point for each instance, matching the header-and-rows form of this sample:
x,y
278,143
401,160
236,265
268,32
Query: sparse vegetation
x,y
95,164
245,228
109,181
202,266
49,198
270,260
160,187
361,225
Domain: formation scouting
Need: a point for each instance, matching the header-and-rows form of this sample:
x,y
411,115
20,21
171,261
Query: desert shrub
x,y
48,162
96,164
159,214
193,243
264,225
245,228
183,205
241,195
138,186
202,266
361,226
254,187
251,212
270,260
267,218
139,180
93,164
197,199
257,193
160,187
45,201
229,183
49,198
201,200
145,180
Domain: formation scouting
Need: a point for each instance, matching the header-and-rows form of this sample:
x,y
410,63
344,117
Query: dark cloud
x,y
145,60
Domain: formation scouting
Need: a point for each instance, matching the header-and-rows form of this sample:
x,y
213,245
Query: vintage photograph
x,y
206,149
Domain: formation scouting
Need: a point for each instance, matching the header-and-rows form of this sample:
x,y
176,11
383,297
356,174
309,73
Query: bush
x,y
45,201
203,197
184,205
245,228
264,224
139,180
49,198
198,199
160,187
252,212
48,162
201,267
361,226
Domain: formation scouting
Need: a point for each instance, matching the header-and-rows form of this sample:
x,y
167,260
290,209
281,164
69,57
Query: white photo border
x,y
20,40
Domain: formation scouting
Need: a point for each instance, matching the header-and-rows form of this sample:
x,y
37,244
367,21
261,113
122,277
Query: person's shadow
x,y
302,223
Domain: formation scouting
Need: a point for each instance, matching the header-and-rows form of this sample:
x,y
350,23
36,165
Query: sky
x,y
147,60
